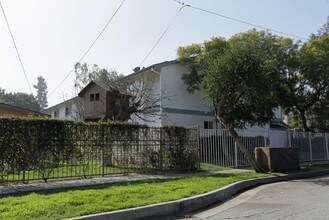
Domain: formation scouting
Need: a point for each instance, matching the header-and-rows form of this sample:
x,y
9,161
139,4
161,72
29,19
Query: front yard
x,y
61,204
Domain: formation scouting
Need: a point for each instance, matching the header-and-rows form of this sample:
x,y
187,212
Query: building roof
x,y
65,102
107,88
153,66
102,85
22,109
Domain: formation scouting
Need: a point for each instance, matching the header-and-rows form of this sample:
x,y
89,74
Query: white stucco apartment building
x,y
176,107
179,107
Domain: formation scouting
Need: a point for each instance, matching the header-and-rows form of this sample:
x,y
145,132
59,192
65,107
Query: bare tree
x,y
137,96
146,97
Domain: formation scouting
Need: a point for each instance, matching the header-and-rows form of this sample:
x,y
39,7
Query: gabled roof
x,y
157,65
72,100
107,88
22,109
102,85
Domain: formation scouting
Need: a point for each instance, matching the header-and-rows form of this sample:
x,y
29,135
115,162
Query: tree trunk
x,y
304,122
241,146
244,150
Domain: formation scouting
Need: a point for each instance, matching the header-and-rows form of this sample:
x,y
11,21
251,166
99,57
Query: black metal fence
x,y
34,151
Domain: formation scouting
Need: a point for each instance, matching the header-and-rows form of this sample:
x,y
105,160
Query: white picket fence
x,y
218,148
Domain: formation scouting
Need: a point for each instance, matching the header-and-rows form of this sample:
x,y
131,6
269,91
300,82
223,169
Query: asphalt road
x,y
297,199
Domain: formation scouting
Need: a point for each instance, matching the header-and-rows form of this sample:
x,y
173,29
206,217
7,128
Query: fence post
x,y
161,144
23,178
310,146
103,156
265,140
236,154
326,139
198,147
289,138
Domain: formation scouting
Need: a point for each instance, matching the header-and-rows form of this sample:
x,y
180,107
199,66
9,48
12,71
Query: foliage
x,y
41,97
84,74
176,152
319,116
308,82
62,204
19,99
179,153
34,148
196,58
31,143
241,78
243,84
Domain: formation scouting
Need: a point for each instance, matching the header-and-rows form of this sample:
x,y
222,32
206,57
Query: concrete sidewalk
x,y
32,187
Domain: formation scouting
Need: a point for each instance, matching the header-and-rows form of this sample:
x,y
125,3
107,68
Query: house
x,y
177,106
156,96
105,102
10,110
69,109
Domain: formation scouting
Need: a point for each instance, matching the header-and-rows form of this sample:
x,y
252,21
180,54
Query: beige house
x,y
10,110
105,102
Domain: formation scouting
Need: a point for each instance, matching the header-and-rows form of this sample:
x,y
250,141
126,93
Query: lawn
x,y
61,204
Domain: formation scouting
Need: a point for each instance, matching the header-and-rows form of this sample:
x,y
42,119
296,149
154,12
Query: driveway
x,y
297,199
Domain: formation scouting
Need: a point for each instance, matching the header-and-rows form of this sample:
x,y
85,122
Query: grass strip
x,y
61,204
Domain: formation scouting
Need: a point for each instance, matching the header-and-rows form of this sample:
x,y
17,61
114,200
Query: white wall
x,y
148,82
174,86
61,110
184,109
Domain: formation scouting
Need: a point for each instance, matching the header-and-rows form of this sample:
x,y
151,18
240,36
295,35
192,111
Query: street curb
x,y
196,202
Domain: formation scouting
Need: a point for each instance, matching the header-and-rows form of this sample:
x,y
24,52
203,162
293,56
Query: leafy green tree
x,y
196,58
20,99
241,78
41,97
319,116
2,95
308,81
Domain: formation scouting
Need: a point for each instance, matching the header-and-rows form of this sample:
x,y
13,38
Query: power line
x,y
13,39
165,31
241,21
87,51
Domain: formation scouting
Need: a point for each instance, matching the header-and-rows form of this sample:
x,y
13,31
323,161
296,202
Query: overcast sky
x,y
53,35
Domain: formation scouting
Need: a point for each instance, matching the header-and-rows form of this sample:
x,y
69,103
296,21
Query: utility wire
x,y
165,31
13,39
87,51
241,21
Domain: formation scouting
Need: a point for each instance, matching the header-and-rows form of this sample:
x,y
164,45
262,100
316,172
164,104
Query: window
x,y
208,125
97,97
92,97
56,114
68,111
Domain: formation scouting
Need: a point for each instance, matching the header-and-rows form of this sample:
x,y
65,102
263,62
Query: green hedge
x,y
43,144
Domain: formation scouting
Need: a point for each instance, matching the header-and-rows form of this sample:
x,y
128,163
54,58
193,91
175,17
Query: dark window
x,y
67,111
92,97
97,97
208,125
56,114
